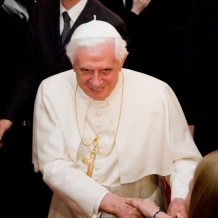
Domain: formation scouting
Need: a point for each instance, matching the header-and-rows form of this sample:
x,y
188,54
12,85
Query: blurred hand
x,y
147,207
139,5
113,204
177,208
4,126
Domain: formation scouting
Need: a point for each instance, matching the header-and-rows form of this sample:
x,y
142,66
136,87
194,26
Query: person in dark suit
x,y
199,70
44,56
15,173
157,33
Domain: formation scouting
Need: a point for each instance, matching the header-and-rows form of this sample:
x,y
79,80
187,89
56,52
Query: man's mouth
x,y
96,89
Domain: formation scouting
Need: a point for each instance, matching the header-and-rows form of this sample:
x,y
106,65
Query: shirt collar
x,y
75,11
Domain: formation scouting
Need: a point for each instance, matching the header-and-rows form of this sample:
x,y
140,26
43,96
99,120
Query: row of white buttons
x,y
98,114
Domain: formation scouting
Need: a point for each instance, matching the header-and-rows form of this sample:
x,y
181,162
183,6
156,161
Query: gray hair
x,y
73,45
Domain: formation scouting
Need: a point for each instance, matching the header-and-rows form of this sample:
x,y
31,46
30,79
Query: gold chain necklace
x,y
95,142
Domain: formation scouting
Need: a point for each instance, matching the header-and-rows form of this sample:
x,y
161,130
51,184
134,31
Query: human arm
x,y
81,193
52,156
178,181
185,158
147,207
55,146
184,170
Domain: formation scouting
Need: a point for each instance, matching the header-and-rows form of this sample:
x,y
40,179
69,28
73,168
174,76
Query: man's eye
x,y
106,71
86,70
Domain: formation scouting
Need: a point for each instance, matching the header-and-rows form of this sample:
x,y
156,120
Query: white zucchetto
x,y
95,28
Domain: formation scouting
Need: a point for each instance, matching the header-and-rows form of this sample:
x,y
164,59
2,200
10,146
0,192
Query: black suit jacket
x,y
45,56
12,41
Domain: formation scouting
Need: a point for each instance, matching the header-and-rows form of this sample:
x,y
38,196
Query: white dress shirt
x,y
74,13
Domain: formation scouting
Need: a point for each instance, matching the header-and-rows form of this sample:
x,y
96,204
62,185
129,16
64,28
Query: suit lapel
x,y
53,23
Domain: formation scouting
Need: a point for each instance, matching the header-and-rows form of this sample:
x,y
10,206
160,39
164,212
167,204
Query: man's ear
x,y
124,58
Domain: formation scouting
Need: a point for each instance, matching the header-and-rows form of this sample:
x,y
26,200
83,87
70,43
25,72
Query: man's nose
x,y
96,79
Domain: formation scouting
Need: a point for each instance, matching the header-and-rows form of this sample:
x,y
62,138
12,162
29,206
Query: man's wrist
x,y
108,203
98,202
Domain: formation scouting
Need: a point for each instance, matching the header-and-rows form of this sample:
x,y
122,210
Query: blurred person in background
x,y
157,34
197,89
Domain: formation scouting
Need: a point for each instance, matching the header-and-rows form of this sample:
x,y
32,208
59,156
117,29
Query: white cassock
x,y
153,140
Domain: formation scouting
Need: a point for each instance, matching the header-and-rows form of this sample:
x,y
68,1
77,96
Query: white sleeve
x,y
51,157
179,180
184,151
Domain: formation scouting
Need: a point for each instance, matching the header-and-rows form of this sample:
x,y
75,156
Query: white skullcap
x,y
95,28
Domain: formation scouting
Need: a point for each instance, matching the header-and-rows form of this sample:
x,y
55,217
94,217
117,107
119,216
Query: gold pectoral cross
x,y
90,161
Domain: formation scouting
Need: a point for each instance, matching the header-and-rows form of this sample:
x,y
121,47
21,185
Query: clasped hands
x,y
140,208
150,210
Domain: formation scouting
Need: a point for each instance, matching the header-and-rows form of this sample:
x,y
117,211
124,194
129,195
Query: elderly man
x,y
103,133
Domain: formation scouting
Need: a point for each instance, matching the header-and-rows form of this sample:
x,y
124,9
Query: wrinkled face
x,y
188,197
97,70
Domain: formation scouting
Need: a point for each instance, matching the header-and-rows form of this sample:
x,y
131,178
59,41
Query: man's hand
x,y
113,204
139,5
177,208
4,126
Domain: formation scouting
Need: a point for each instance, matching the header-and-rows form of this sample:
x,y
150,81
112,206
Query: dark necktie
x,y
66,26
